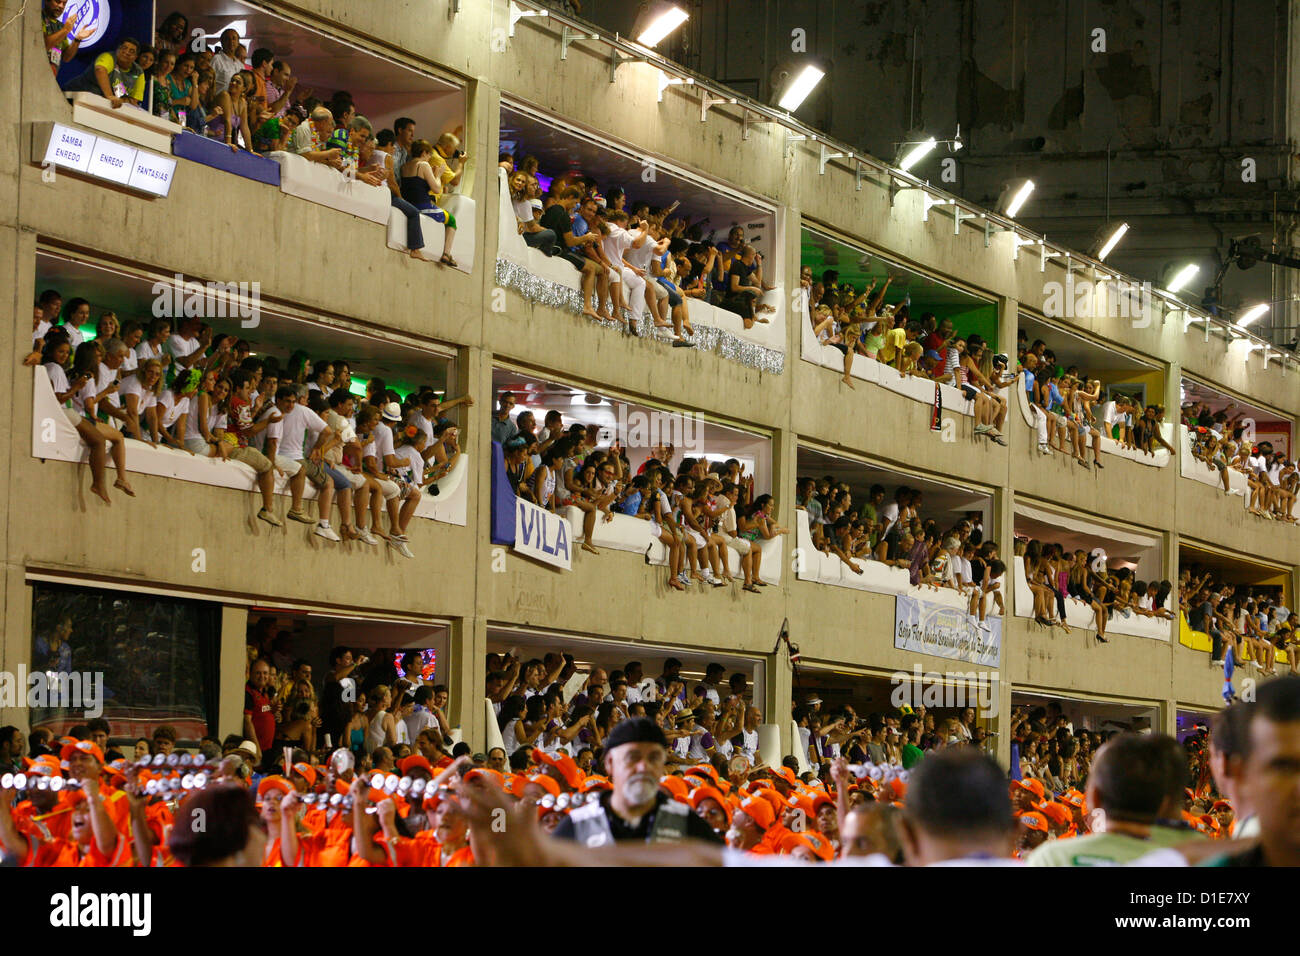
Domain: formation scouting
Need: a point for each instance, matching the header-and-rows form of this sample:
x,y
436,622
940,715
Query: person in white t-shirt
x,y
173,409
286,444
630,292
106,380
96,434
139,395
377,457
188,345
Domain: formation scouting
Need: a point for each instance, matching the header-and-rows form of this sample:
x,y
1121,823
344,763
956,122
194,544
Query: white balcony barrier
x,y
54,437
130,123
462,250
322,184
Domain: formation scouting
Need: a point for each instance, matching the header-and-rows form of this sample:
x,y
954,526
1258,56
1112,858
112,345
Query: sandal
x,y
751,589
123,487
446,260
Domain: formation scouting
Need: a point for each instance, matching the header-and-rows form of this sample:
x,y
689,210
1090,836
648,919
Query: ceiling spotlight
x,y
1019,198
1185,275
955,143
668,20
917,153
1112,242
800,88
1251,314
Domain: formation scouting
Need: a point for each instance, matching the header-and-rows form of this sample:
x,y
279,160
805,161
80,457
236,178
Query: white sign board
x,y
109,160
544,536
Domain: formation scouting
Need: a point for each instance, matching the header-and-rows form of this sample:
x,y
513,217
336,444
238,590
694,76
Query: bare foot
x,y
604,315
589,312
97,490
663,325
589,549
688,330
123,487
849,382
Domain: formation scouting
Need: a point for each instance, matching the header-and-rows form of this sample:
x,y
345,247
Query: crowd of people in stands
x,y
895,534
257,105
704,513
1247,626
634,257
183,385
1069,410
1054,572
1220,440
1071,415
355,770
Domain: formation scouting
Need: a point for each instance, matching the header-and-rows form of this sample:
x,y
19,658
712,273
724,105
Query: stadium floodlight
x,y
1251,314
668,20
1185,275
800,88
1112,242
917,153
1018,200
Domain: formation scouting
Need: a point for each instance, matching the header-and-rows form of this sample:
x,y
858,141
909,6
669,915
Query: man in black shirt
x,y
559,219
1202,619
636,809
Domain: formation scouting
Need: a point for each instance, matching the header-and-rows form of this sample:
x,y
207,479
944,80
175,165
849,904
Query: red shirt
x,y
258,706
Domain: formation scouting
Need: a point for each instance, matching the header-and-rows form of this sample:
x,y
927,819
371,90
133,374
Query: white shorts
x,y
289,466
357,479
696,537
389,488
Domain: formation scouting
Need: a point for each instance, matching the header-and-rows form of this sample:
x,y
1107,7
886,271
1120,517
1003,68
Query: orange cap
x,y
1058,813
786,774
1034,821
543,781
85,746
410,762
758,810
567,766
307,772
274,782
707,792
1033,786
676,786
495,777
820,846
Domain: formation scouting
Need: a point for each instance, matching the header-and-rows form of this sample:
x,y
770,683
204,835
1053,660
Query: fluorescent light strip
x,y
798,91
1112,242
1021,195
1184,276
662,25
915,156
1251,314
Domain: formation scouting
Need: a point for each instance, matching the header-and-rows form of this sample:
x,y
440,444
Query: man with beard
x,y
636,809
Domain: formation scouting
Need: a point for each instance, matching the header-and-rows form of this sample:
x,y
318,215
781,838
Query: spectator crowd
x,y
704,513
382,798
256,104
183,385
1220,440
633,257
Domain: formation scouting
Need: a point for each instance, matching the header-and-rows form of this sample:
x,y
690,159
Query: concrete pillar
x,y
1001,725
1166,721
16,645
234,669
780,691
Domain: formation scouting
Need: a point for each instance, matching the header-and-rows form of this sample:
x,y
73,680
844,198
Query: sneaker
x,y
1046,449
364,535
299,515
685,578
400,546
325,531
270,519
983,429
994,436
